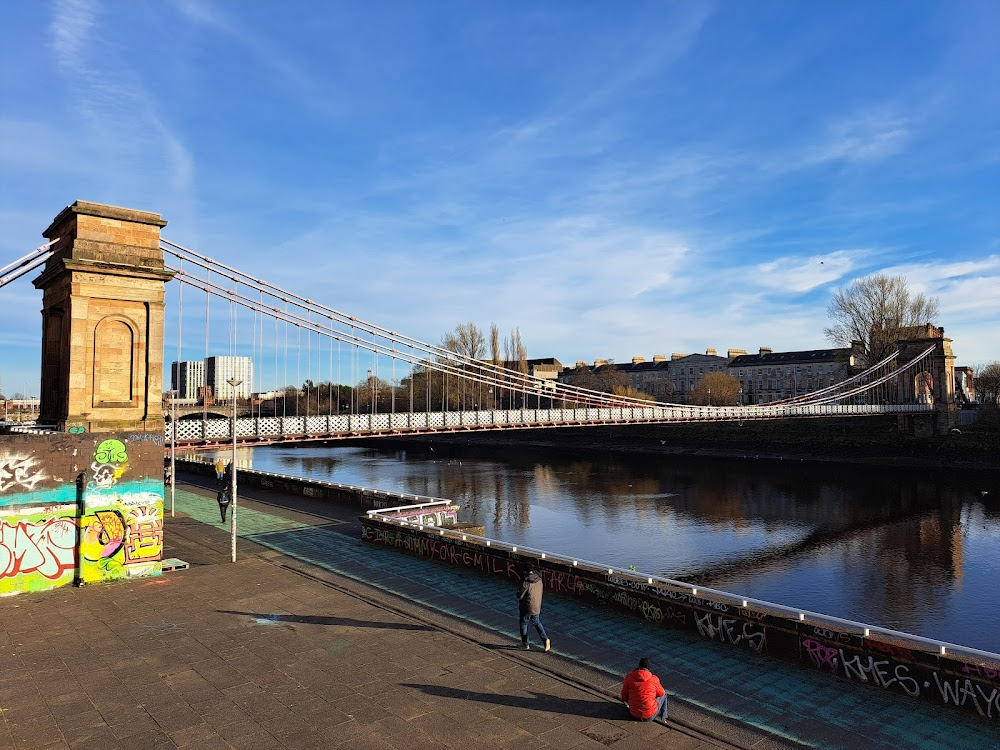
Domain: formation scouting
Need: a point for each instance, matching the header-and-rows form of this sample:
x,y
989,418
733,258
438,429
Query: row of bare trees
x,y
425,388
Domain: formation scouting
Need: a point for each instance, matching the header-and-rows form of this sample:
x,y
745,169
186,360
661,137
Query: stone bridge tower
x,y
102,320
936,383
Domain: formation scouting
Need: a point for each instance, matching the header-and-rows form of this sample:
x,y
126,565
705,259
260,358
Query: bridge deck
x,y
342,426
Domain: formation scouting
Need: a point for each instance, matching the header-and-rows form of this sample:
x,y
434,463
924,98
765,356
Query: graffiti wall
x,y
79,508
947,680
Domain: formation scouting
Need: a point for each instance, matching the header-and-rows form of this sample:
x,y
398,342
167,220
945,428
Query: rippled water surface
x,y
877,546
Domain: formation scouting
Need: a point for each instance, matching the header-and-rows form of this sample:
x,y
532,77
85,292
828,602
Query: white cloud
x,y
966,289
122,127
796,274
869,137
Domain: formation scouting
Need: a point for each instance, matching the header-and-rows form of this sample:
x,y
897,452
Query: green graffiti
x,y
77,429
111,452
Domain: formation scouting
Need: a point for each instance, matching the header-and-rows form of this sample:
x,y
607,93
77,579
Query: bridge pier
x,y
102,320
936,383
84,504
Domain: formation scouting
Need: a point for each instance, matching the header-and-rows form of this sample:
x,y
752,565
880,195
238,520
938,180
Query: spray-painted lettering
x,y
43,547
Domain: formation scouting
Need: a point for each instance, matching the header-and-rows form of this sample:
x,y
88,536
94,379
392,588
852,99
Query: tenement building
x,y
771,376
670,380
763,377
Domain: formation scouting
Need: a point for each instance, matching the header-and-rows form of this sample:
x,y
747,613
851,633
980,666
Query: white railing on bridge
x,y
273,429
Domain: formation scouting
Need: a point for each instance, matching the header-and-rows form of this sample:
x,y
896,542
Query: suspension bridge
x,y
397,384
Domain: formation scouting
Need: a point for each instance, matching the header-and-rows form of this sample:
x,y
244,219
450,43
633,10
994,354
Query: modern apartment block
x,y
186,378
220,370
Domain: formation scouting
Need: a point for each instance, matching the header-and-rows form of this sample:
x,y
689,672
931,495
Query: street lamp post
x,y
173,448
233,383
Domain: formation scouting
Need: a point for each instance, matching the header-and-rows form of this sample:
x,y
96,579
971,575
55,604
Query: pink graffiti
x,y
990,673
45,547
888,648
823,657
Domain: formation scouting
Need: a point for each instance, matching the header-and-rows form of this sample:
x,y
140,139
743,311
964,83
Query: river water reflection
x,y
874,545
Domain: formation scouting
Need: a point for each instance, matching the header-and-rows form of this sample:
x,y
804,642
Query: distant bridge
x,y
218,411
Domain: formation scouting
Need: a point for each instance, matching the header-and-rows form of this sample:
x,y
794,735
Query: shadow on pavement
x,y
324,620
597,709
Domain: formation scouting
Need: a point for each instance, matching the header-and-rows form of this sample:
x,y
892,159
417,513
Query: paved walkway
x,y
315,640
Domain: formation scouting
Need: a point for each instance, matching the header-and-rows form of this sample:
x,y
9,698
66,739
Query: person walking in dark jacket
x,y
224,499
529,605
644,695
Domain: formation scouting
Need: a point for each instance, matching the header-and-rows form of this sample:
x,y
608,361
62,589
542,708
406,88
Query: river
x,y
874,545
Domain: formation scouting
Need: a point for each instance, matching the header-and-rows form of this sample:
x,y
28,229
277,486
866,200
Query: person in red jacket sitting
x,y
643,693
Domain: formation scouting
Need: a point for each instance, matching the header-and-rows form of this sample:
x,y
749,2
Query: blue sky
x,y
617,179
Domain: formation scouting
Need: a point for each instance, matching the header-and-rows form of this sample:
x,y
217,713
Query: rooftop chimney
x,y
600,362
766,350
659,358
637,360
677,355
710,352
735,353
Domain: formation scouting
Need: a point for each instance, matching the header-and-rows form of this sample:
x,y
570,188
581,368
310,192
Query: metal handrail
x,y
433,503
942,647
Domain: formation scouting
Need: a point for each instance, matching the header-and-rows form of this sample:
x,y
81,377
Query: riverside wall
x,y
900,666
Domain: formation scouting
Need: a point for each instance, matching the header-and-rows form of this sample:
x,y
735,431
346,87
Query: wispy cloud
x,y
965,288
868,137
797,274
292,75
122,118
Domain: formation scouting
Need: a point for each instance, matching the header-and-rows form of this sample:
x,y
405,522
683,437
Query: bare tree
x,y
466,340
519,351
495,345
988,383
875,310
633,393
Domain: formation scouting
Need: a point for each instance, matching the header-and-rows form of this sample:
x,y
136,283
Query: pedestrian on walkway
x,y
224,500
643,694
220,466
529,605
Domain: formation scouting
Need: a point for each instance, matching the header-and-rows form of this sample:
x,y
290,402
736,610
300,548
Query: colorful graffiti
x,y
101,540
145,533
54,530
113,540
37,551
110,463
